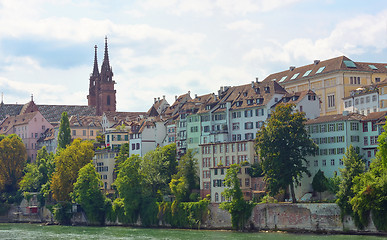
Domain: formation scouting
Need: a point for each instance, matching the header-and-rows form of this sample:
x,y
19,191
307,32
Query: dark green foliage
x,y
39,173
354,166
129,187
148,211
87,193
239,209
255,170
283,145
319,182
64,135
63,213
183,214
333,184
186,178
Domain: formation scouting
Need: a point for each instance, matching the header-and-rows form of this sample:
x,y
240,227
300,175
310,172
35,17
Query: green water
x,y
35,231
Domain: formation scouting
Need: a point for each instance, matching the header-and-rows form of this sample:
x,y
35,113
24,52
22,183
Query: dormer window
x,y
245,94
208,107
257,91
249,101
259,100
239,103
223,105
294,98
267,89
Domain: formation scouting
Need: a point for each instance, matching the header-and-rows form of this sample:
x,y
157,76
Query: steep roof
x,y
341,63
50,112
336,118
123,116
12,121
92,121
295,97
376,116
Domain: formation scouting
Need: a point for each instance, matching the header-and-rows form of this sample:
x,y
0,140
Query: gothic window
x,y
108,100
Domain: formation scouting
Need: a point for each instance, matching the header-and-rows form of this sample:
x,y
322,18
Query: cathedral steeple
x,y
95,68
106,70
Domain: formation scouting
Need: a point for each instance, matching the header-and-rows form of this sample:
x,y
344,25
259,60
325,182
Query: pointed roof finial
x,y
95,68
106,55
2,98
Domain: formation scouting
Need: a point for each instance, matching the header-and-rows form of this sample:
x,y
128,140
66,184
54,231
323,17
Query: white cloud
x,y
350,37
245,25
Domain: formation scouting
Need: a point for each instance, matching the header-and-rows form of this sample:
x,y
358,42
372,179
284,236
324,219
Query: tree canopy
x,y
282,144
64,135
88,194
67,164
239,209
13,157
353,167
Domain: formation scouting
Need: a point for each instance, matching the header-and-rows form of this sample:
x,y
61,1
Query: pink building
x,y
29,127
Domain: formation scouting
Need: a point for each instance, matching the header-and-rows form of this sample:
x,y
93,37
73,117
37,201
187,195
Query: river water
x,y
35,231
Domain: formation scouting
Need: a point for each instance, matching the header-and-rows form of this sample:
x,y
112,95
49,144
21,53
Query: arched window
x,y
216,197
108,100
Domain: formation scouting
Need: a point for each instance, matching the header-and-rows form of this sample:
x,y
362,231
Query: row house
x,y
334,134
364,100
29,127
110,119
104,161
85,127
332,80
216,158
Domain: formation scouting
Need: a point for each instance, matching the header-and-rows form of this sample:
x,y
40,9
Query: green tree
x,y
64,135
129,186
87,193
353,167
239,209
282,145
157,168
120,158
38,173
13,157
67,164
370,189
333,184
187,174
319,182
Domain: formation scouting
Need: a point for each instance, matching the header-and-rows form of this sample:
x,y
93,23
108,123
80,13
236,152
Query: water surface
x,y
35,231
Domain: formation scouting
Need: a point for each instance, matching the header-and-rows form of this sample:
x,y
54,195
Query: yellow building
x,y
332,80
85,127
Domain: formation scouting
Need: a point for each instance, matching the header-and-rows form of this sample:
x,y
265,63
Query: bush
x,y
62,213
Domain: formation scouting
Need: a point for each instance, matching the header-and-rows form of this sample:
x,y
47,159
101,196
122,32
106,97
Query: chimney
x,y
158,99
175,97
315,62
256,79
291,68
189,93
196,95
345,113
252,84
155,100
164,97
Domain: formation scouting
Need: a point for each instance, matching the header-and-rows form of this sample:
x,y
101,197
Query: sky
x,y
169,47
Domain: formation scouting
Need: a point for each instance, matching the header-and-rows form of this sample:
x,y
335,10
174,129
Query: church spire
x,y
95,68
106,71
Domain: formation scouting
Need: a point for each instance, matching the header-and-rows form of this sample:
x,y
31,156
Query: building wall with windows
x,y
104,162
334,134
364,101
332,80
220,156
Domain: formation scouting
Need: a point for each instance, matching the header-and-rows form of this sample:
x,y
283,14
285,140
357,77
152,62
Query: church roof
x,y
50,112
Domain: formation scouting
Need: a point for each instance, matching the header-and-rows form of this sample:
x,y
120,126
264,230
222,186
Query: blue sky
x,y
170,47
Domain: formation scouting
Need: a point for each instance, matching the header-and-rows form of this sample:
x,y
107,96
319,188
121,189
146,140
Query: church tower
x,y
101,90
93,80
